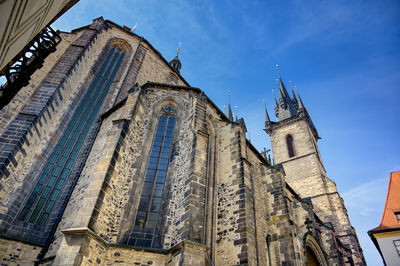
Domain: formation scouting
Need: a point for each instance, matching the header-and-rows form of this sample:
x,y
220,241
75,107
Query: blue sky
x,y
343,56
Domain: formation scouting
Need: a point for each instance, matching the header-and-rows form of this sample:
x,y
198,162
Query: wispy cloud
x,y
365,205
360,200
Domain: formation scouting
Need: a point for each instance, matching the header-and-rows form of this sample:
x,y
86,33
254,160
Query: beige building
x,y
109,156
386,236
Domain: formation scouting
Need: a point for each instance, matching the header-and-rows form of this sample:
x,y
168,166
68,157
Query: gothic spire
x,y
286,107
294,100
229,113
301,105
276,108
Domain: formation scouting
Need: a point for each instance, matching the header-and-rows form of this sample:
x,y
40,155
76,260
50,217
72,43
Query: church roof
x,y
143,40
389,220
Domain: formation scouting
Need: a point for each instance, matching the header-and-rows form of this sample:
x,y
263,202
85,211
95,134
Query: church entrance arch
x,y
314,253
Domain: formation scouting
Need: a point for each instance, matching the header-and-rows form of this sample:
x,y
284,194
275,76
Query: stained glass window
x,y
145,231
55,174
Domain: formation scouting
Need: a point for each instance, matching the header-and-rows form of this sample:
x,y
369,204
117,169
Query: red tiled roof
x,y
392,205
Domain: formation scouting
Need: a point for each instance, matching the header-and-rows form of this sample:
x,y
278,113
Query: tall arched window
x,y
290,146
146,231
56,172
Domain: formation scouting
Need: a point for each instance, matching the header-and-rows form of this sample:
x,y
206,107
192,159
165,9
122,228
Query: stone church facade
x,y
109,157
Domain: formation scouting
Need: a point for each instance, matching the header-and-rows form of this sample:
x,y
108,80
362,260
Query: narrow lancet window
x,y
146,229
290,147
56,172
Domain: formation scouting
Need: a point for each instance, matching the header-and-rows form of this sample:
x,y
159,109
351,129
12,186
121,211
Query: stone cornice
x,y
302,115
85,231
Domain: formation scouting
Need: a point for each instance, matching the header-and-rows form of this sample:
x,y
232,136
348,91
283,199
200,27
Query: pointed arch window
x,y
56,173
146,229
290,146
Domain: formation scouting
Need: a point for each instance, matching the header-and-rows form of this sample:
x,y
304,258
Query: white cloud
x,y
361,201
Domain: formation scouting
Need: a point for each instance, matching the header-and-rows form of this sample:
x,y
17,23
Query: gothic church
x,y
110,157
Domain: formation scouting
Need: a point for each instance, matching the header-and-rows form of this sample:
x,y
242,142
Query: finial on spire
x,y
175,63
277,69
229,111
235,115
179,48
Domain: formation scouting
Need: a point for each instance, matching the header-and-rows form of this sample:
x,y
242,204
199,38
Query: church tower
x,y
294,145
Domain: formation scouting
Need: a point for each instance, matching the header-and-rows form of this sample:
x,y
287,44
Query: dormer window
x,y
397,216
290,146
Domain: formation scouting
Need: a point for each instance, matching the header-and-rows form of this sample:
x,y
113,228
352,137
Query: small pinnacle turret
x,y
229,113
267,119
294,100
302,108
175,63
301,105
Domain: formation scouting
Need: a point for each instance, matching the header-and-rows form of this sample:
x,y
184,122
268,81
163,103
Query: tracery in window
x,y
58,168
145,231
290,147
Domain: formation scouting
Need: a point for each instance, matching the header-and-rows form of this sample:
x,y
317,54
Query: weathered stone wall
x,y
231,248
260,178
113,176
10,111
156,70
279,221
17,253
92,249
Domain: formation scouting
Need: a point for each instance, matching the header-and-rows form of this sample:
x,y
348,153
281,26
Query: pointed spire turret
x,y
267,119
175,63
301,105
286,106
276,109
294,100
229,112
